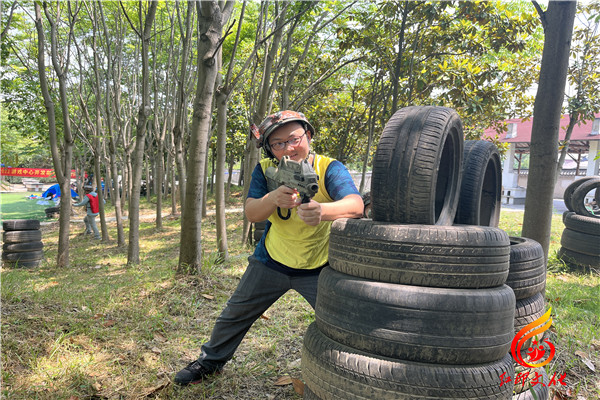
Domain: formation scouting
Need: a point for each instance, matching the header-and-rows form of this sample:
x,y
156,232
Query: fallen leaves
x,y
288,380
586,360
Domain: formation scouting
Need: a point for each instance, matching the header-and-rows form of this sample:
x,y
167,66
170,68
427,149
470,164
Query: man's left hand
x,y
310,213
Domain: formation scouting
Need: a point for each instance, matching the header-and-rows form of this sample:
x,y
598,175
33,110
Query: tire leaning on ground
x,y
568,194
527,273
417,167
481,188
582,223
21,236
21,225
459,256
578,199
334,371
416,323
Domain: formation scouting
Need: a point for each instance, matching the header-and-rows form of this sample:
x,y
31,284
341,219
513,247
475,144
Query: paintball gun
x,y
296,175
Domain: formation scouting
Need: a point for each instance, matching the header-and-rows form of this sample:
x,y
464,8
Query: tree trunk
x,y
133,251
62,165
210,24
558,27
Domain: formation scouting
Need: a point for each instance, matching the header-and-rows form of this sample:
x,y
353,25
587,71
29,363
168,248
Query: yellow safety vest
x,y
292,242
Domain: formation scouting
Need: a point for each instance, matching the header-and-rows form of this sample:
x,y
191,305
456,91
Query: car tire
x,y
21,264
578,261
527,273
423,255
568,194
481,188
417,167
528,310
21,247
578,199
581,223
580,242
540,389
23,256
21,236
423,324
334,371
21,225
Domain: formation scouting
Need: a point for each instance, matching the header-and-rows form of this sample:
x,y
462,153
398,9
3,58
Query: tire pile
x,y
22,243
580,239
414,303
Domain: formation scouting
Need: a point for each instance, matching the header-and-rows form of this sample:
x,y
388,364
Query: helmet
x,y
88,188
274,121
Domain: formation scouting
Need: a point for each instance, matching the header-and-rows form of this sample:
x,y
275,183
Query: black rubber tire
x,y
528,310
20,247
21,264
366,197
21,236
541,389
417,167
578,199
259,230
580,242
481,188
334,371
21,225
52,210
23,256
423,324
527,274
423,255
578,261
568,194
582,223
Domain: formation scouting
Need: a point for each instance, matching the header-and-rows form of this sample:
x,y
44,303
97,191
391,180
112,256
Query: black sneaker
x,y
193,373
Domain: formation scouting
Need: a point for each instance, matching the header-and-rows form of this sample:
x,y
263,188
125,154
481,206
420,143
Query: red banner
x,y
32,172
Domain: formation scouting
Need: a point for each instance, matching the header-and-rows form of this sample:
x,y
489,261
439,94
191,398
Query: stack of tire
x,y
414,304
527,278
581,237
22,243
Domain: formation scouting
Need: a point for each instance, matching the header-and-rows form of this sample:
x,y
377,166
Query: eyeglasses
x,y
295,141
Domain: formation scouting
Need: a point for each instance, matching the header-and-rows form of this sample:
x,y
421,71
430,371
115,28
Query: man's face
x,y
293,140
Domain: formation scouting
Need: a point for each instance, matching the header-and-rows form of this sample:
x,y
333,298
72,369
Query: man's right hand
x,y
284,197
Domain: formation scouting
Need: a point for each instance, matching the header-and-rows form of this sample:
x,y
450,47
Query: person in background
x,y
292,251
92,203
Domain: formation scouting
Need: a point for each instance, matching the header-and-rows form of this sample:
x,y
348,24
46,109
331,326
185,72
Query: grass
x,y
103,330
17,206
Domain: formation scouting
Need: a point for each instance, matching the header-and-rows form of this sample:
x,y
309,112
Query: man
x,y
90,200
292,252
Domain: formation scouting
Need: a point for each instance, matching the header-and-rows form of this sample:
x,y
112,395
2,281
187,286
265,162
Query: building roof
x,y
582,133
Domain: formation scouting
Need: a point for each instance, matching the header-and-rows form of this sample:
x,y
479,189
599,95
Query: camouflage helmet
x,y
274,121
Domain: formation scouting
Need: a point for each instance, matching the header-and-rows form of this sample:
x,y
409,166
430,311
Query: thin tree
x,y
62,160
558,21
133,250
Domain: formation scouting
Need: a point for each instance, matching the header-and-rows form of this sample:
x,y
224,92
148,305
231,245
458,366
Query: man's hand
x,y
284,197
310,213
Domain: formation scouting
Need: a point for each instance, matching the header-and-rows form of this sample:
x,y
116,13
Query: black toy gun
x,y
295,175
